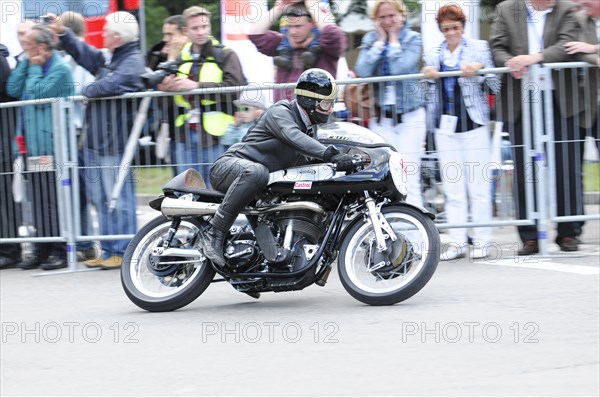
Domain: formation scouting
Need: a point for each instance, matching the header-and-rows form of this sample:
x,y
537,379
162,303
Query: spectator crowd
x,y
196,129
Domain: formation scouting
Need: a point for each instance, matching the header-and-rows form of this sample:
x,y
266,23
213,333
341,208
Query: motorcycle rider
x,y
283,137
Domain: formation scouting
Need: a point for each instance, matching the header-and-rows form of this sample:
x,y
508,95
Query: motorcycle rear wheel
x,y
391,284
157,293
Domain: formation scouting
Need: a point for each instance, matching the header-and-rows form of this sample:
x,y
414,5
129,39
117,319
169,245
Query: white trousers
x,y
466,164
408,138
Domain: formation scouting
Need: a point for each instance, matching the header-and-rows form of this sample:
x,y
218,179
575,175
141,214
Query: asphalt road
x,y
502,327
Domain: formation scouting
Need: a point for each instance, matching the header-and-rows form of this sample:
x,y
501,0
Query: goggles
x,y
325,105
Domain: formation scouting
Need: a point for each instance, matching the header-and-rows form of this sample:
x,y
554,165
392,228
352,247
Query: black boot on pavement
x,y
9,261
28,264
54,262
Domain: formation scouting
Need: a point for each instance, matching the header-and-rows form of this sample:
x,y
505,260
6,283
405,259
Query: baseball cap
x,y
251,98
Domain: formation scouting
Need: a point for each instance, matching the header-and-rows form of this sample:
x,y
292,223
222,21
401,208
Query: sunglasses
x,y
243,108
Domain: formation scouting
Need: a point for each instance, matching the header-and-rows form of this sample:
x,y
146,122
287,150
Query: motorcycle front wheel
x,y
385,279
163,284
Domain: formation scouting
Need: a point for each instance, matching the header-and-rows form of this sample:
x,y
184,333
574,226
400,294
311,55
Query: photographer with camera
x,y
167,50
305,22
173,40
108,124
203,63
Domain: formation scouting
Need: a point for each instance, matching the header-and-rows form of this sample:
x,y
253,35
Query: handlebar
x,y
356,162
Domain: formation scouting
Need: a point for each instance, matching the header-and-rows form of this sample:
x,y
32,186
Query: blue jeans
x,y
84,214
191,154
100,176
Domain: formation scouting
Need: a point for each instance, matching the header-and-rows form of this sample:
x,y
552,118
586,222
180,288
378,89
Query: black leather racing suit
x,y
280,139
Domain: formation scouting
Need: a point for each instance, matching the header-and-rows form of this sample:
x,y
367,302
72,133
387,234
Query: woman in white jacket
x,y
460,110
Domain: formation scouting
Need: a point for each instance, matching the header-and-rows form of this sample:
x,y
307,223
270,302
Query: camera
x,y
45,20
164,69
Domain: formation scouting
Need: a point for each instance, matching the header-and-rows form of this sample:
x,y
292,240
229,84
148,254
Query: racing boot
x,y
214,240
212,246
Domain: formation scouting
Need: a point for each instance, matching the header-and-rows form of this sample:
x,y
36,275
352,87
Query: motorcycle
x,y
307,217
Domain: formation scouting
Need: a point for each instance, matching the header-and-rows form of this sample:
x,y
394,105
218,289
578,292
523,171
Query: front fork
x,y
379,223
172,230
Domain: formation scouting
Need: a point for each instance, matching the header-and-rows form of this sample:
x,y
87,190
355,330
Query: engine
x,y
282,238
242,251
305,223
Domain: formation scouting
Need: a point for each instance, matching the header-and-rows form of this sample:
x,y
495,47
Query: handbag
x,y
360,99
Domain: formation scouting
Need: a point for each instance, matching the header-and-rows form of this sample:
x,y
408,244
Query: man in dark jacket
x,y
282,138
169,48
587,49
108,125
523,34
301,17
10,253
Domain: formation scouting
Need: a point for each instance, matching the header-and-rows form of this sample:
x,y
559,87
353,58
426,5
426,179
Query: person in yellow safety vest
x,y
203,118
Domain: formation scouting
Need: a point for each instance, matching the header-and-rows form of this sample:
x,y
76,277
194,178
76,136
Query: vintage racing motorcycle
x,y
307,217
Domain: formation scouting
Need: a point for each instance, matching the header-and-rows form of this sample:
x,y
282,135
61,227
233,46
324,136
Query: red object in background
x,y
21,145
491,100
95,25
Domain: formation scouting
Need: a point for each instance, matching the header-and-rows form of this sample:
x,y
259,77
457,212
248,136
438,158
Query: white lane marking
x,y
544,264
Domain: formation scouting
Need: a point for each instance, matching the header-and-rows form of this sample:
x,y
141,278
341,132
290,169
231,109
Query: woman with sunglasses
x,y
393,49
461,112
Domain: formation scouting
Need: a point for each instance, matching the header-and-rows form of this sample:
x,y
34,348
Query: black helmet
x,y
316,88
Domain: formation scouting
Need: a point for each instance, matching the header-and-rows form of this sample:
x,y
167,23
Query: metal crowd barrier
x,y
143,164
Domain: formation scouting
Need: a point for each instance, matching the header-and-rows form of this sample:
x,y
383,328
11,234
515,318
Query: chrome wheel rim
x,y
405,226
152,285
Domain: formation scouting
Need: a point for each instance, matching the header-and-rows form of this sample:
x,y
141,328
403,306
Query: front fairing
x,y
316,179
350,134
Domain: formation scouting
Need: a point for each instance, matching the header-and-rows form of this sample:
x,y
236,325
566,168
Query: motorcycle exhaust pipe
x,y
310,206
176,207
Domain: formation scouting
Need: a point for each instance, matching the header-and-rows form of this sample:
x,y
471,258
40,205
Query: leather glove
x,y
343,162
330,152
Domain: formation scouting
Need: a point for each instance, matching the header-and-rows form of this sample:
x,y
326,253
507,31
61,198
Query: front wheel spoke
x,y
397,273
383,281
173,280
